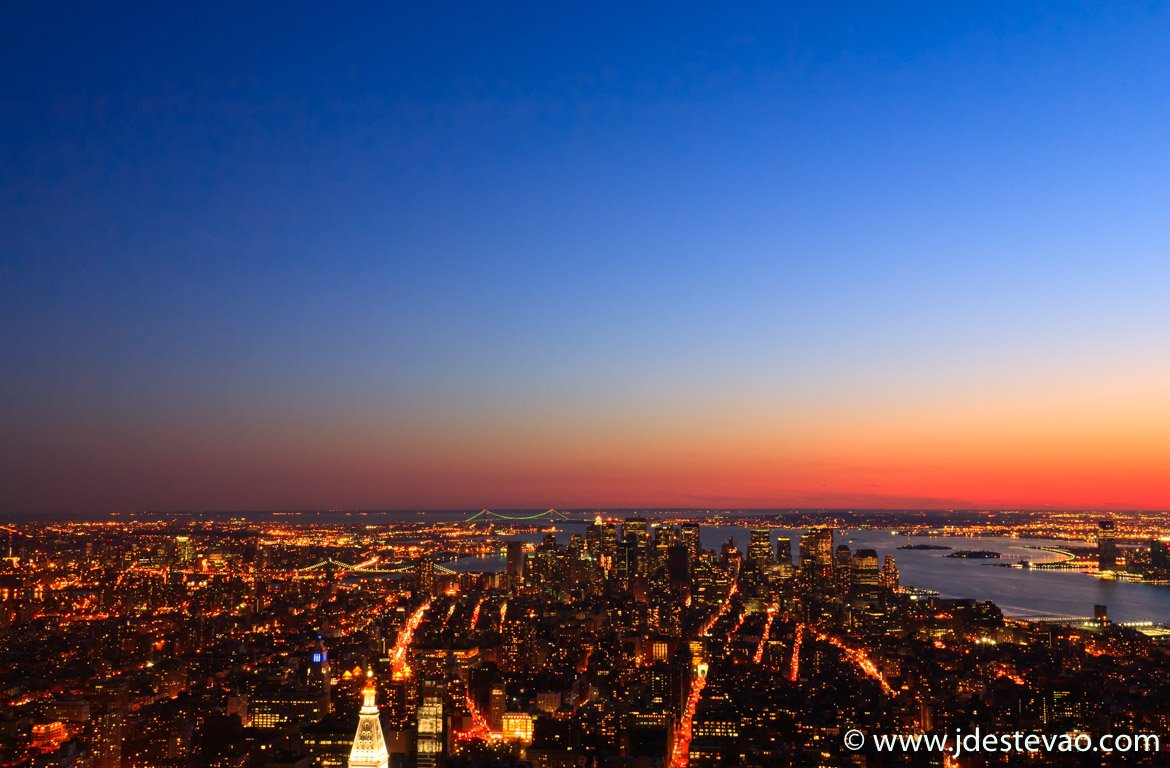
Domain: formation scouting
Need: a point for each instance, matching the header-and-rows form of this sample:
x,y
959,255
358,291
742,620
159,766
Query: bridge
x,y
1081,621
368,567
548,516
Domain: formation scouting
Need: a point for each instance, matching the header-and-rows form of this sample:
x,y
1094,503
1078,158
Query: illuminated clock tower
x,y
318,676
369,748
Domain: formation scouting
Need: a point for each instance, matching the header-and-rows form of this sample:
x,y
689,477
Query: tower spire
x,y
369,747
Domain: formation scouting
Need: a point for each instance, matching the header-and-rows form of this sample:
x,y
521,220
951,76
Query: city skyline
x,y
765,385
898,257
537,642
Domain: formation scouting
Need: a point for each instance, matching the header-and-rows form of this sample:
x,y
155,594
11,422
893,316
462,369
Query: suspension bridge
x,y
1084,620
548,516
370,567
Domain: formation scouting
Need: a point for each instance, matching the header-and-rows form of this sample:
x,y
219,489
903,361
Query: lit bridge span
x,y
1080,620
370,566
549,515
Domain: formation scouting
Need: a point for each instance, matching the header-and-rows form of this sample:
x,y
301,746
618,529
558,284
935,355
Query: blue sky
x,y
216,214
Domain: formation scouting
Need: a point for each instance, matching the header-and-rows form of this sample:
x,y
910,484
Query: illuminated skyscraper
x,y
593,534
784,556
816,554
636,535
184,550
865,568
430,725
689,535
636,529
760,548
318,672
1106,545
496,705
665,537
515,565
609,536
424,574
843,565
890,576
369,748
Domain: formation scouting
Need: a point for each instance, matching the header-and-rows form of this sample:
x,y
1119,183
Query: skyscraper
x,y
1106,545
784,556
890,576
816,554
515,565
184,550
636,529
609,536
689,535
496,705
424,573
843,565
636,533
760,548
678,565
865,568
318,672
430,725
1160,554
369,748
593,534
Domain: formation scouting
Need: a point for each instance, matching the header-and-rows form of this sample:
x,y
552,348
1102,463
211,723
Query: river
x,y
1019,592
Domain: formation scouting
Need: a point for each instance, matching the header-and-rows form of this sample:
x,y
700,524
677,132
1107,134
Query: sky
x,y
903,255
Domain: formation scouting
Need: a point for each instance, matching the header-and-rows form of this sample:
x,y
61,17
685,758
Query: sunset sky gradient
x,y
882,255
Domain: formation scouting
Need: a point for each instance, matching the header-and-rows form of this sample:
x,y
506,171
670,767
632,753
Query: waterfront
x,y
581,628
1020,593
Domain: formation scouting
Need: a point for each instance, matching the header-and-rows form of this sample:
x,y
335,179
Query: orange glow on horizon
x,y
1103,448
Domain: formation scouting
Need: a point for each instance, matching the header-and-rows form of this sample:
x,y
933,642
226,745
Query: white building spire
x,y
369,748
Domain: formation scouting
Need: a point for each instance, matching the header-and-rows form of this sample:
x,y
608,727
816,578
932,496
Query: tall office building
x,y
369,748
784,556
760,549
689,535
1160,554
678,565
865,568
806,553
636,529
514,567
593,535
1106,545
609,537
890,576
497,703
184,550
430,725
318,672
424,574
636,533
816,554
842,565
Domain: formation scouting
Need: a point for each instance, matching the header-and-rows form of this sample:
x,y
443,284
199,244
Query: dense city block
x,y
497,641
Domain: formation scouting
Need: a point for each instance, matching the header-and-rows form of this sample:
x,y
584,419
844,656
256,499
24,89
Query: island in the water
x,y
975,554
924,546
